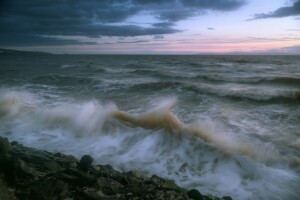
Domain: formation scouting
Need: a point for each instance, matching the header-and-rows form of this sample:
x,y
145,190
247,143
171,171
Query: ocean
x,y
225,125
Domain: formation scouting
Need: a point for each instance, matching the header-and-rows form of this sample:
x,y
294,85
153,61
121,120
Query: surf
x,y
161,117
91,117
207,122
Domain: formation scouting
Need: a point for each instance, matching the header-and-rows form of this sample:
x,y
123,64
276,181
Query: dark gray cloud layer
x,y
29,22
23,40
287,11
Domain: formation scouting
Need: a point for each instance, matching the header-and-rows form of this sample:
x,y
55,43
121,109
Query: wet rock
x,y
58,154
64,161
14,143
92,193
5,192
4,145
157,181
109,186
106,171
77,178
85,162
7,171
24,170
27,173
48,188
129,178
226,198
195,194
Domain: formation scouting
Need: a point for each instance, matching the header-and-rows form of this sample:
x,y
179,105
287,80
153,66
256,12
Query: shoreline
x,y
28,173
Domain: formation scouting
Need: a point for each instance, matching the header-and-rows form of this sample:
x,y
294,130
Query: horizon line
x,y
233,53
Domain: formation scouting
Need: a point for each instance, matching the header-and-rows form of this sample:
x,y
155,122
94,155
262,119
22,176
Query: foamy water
x,y
224,125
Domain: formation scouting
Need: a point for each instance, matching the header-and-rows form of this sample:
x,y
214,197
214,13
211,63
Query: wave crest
x,y
161,117
91,117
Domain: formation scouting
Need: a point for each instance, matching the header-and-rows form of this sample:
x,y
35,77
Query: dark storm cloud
x,y
178,14
33,20
130,42
36,40
287,11
173,10
221,5
163,24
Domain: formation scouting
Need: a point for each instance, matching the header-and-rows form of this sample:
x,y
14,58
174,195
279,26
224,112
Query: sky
x,y
151,26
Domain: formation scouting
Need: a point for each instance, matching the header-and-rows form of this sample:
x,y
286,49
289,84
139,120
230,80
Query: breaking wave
x,y
89,118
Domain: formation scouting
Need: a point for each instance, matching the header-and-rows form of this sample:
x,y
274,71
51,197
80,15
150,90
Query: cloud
x,y
33,20
292,49
36,40
158,37
163,24
257,40
183,9
221,5
178,14
210,29
129,42
286,11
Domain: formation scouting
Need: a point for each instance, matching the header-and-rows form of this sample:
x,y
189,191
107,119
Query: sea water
x,y
225,125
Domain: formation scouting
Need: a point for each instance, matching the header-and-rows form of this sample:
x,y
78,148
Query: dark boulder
x,y
195,194
85,162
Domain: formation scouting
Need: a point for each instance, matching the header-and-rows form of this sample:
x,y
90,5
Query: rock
x,y
24,170
5,192
109,186
76,177
85,162
106,171
129,178
6,171
58,154
4,145
27,173
157,181
48,188
14,143
195,194
226,198
92,193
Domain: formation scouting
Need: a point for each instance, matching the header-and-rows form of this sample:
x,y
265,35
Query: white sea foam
x,y
198,154
67,66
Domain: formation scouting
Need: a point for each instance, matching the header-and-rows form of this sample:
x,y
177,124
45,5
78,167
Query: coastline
x,y
28,173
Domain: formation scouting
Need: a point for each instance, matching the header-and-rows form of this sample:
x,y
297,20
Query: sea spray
x,y
238,116
162,117
88,118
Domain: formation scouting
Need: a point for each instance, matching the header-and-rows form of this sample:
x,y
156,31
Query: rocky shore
x,y
28,174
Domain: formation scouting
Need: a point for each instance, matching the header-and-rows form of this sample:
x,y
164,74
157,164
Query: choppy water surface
x,y
226,125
